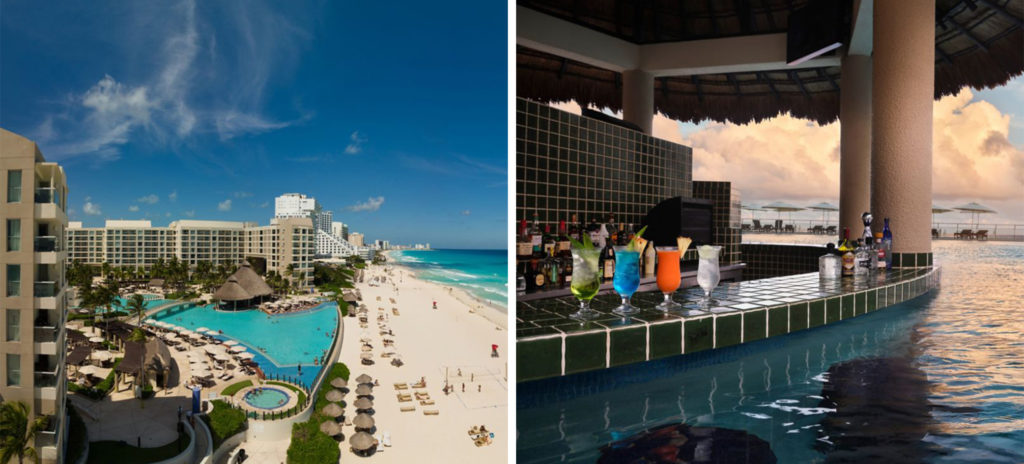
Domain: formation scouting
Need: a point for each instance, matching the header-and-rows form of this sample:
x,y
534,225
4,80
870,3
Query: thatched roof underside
x,y
979,47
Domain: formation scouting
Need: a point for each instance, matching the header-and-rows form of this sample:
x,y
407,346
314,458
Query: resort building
x,y
286,241
356,239
339,229
295,205
33,299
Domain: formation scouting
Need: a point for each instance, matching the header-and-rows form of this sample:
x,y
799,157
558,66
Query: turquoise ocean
x,y
482,273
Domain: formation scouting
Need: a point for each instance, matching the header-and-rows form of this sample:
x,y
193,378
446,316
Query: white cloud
x,y
371,204
173,196
265,204
224,205
149,199
190,213
356,146
133,208
465,212
242,194
91,208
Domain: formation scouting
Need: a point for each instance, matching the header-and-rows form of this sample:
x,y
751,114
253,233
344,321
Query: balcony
x,y
46,243
45,289
45,334
48,195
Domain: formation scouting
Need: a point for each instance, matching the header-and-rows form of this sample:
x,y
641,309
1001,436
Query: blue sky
x,y
393,118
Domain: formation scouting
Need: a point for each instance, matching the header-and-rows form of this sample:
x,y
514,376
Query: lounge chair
x,y
431,412
401,386
964,234
936,233
422,396
757,226
981,234
404,397
426,402
409,408
419,385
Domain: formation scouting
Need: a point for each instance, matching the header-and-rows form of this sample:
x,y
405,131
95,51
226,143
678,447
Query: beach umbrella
x,y
335,395
231,342
222,357
246,355
363,421
751,208
366,356
781,207
936,209
332,410
330,427
150,321
362,441
975,210
237,349
363,378
363,390
89,369
825,208
102,355
362,403
96,339
185,332
339,382
203,330
195,336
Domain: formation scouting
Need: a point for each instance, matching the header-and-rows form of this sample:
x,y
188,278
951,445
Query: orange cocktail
x,y
668,277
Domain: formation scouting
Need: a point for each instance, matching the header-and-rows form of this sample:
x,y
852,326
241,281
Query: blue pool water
x,y
281,343
266,398
152,301
483,273
955,357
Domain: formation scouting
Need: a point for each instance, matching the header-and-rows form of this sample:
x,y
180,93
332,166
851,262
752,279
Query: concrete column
x,y
854,142
638,99
903,90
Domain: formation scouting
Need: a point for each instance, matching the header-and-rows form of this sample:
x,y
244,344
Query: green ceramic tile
x,y
699,335
816,313
849,304
666,339
537,359
778,321
890,295
628,345
832,309
727,330
906,292
798,317
922,259
872,303
585,352
754,325
896,261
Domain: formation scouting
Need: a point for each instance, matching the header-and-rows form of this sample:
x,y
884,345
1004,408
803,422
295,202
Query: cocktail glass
x,y
708,273
586,281
627,278
668,277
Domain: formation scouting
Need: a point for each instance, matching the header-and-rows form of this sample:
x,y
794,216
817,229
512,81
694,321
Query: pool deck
x,y
550,344
239,399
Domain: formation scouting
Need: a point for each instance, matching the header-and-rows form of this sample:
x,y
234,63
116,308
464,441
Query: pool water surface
x,y
266,398
936,379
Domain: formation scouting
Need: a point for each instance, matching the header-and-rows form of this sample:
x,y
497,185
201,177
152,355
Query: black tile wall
x,y
725,217
765,260
568,164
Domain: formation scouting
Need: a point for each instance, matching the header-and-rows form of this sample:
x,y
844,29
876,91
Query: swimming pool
x,y
152,301
954,356
266,398
284,345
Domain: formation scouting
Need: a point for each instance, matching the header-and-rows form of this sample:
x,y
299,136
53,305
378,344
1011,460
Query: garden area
x,y
224,421
310,445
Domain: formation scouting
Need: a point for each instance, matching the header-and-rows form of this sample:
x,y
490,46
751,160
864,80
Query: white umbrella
x,y
975,210
781,207
102,355
195,336
230,342
246,355
237,349
150,321
222,357
825,208
212,349
89,369
96,339
170,336
202,329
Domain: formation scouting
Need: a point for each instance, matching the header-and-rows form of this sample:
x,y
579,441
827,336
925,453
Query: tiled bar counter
x,y
549,344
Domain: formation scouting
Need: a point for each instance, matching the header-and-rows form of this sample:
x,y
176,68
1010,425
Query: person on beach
x,y
494,351
435,305
463,387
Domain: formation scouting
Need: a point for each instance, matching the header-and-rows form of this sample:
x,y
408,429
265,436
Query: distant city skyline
x,y
208,111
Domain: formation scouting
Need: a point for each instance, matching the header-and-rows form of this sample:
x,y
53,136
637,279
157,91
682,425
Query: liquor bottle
x,y
540,279
650,259
521,278
524,248
866,218
563,246
880,251
576,229
554,270
830,266
847,253
536,239
862,259
567,272
607,263
872,249
887,244
548,242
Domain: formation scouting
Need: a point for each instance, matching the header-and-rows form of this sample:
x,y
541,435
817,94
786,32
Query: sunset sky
x,y
978,155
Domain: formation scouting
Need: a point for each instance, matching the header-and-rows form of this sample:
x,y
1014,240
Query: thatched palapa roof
x,y
232,291
251,281
978,43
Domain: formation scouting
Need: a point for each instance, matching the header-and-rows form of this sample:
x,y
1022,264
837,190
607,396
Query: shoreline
x,y
484,308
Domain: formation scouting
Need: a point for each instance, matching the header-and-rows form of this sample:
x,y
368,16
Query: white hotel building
x,y
329,242
286,241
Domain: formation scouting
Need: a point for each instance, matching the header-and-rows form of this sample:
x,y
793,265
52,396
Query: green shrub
x,y
337,370
311,446
235,387
224,421
108,383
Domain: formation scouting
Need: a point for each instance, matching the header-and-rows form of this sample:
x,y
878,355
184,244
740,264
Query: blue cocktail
x,y
627,278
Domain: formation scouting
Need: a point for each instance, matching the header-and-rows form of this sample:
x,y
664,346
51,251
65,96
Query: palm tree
x,y
17,433
102,296
136,304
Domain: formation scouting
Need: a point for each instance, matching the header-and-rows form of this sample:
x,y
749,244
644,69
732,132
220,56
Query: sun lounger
x,y
431,412
401,386
419,385
395,311
981,234
422,396
408,408
403,397
426,402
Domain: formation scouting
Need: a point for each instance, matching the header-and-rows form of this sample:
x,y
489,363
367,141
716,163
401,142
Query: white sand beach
x,y
432,344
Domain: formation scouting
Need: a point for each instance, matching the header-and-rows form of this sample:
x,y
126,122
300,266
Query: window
x,y
14,235
13,280
13,325
13,186
13,370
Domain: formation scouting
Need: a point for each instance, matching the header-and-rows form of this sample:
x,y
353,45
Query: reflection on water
x,y
954,359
